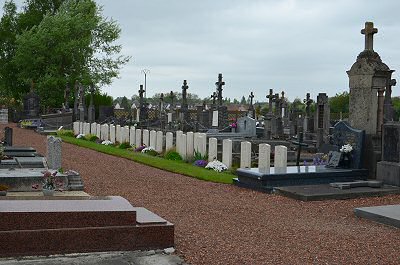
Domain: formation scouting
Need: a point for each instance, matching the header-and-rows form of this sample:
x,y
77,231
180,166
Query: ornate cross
x,y
251,96
172,96
369,32
270,97
141,91
308,102
213,97
219,85
184,93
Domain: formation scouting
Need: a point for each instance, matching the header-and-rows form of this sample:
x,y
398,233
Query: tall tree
x,y
340,102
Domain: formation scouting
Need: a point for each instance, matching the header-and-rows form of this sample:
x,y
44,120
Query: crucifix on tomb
x,y
184,93
251,96
270,97
141,92
308,102
299,143
214,97
172,96
276,100
219,85
162,102
369,32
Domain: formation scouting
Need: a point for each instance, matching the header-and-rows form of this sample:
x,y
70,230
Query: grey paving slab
x,y
326,192
104,258
388,215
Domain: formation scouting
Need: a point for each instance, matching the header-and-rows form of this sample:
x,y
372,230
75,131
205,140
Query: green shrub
x,y
124,145
173,155
199,156
91,137
68,133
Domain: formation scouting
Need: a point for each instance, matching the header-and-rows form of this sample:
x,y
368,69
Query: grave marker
x,y
245,155
264,158
212,149
280,156
227,152
54,154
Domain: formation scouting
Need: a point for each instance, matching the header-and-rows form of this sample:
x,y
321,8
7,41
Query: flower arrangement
x,y
50,181
200,163
147,149
216,166
233,125
106,142
140,148
347,148
80,136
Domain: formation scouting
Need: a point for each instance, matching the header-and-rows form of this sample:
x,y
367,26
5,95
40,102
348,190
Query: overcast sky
x,y
294,46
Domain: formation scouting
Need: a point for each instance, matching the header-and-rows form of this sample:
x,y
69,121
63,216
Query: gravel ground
x,y
224,224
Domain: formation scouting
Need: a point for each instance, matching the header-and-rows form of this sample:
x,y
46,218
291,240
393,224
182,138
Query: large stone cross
x,y
251,96
141,92
184,93
219,85
270,97
369,32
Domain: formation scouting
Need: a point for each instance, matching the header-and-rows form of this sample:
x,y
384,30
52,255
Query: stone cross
x,y
276,100
300,143
251,96
270,98
141,92
308,102
172,96
219,85
213,97
162,102
369,32
184,93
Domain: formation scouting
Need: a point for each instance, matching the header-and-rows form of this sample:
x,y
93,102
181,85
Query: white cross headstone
x,y
169,141
280,160
212,149
245,154
189,144
138,138
227,152
146,137
132,134
264,158
153,139
159,141
112,133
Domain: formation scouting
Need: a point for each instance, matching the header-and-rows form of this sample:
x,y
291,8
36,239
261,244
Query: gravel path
x,y
224,224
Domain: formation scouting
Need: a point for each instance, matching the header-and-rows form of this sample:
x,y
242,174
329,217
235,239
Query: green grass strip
x,y
179,167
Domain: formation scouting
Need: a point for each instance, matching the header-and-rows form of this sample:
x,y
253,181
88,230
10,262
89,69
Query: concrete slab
x,y
326,192
388,215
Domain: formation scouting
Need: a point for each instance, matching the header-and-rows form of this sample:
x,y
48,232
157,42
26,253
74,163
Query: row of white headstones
x,y
185,144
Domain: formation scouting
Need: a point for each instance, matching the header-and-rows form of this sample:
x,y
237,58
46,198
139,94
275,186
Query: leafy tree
x,y
125,103
396,106
340,102
243,100
60,41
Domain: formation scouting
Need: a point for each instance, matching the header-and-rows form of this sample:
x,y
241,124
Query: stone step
x,y
93,224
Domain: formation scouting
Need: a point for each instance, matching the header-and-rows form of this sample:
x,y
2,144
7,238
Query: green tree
x,y
125,103
69,40
340,103
243,100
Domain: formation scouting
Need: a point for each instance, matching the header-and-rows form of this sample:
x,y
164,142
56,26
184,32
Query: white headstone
x,y
93,128
196,142
112,133
169,141
76,127
182,145
105,132
202,144
189,144
54,152
118,134
125,134
264,158
98,130
215,118
245,154
132,135
138,138
212,149
169,117
178,140
227,152
81,128
280,157
87,128
3,116
159,142
146,137
137,115
153,139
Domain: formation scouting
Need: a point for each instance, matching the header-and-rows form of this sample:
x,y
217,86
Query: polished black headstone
x,y
8,136
391,143
344,134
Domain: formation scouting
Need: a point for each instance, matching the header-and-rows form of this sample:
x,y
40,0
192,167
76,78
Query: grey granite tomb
x,y
54,157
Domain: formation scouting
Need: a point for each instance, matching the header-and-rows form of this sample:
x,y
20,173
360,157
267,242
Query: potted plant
x,y
50,183
3,190
233,126
346,151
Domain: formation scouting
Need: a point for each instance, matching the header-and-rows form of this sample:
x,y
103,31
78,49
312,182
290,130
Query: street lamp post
x,y
145,72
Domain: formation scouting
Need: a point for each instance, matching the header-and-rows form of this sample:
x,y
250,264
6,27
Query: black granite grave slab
x,y
292,176
24,162
327,192
388,215
18,151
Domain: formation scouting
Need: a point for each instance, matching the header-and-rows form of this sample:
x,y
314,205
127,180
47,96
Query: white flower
x,y
79,136
347,148
107,142
147,149
217,166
